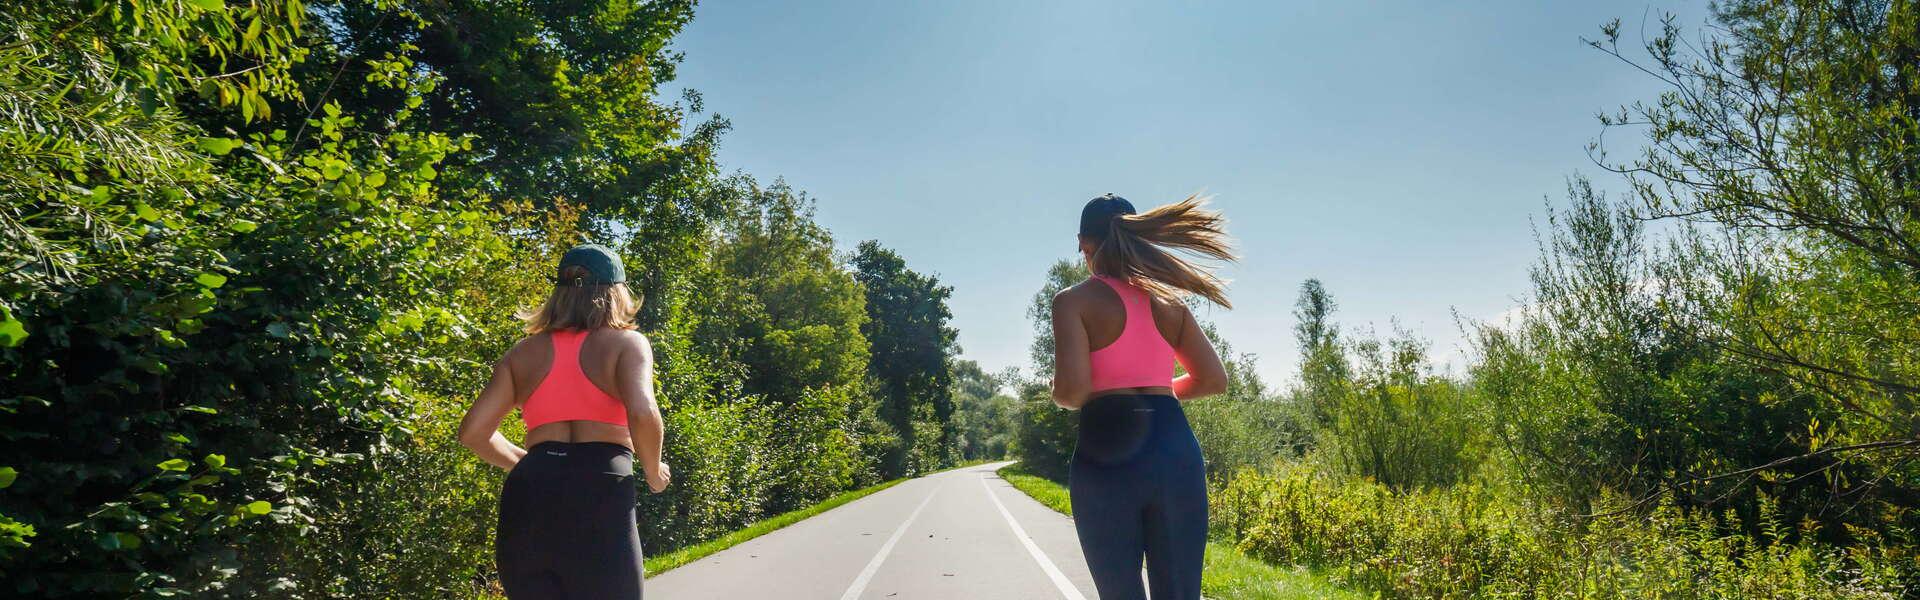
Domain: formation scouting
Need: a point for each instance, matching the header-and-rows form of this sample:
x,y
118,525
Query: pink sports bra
x,y
566,394
1140,357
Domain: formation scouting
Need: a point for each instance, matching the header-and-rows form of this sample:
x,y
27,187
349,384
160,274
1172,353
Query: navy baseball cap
x,y
1100,212
603,266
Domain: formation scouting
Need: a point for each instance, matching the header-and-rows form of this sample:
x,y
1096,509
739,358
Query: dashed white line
x,y
866,575
1059,580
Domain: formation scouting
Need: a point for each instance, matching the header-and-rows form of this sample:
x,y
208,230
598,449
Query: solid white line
x,y
1059,580
866,575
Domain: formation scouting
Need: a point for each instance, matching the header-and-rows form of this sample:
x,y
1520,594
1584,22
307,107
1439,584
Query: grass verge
x,y
1228,575
667,562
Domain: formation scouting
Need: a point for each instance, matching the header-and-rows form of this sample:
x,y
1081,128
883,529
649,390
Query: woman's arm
x,y
1072,371
1205,375
643,414
480,428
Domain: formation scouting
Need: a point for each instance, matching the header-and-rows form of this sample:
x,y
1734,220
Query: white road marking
x,y
1059,580
866,575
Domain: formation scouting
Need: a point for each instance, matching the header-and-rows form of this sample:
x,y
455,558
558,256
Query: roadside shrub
x,y
1237,433
721,475
414,520
1471,541
1397,424
1047,433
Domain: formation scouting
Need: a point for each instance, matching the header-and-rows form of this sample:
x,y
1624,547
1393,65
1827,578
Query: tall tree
x,y
796,316
907,318
559,98
1323,363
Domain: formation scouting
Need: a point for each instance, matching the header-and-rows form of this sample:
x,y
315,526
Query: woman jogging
x,y
1137,481
583,379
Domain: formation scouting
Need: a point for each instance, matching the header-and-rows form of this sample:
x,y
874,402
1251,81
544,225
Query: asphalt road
x,y
964,533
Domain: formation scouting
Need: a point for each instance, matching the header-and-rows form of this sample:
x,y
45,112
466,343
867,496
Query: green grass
x,y
671,560
1229,575
1046,491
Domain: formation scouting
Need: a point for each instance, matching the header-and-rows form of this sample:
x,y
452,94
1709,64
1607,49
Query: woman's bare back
x,y
532,359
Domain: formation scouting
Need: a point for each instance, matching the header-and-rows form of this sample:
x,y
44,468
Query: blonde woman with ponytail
x,y
1137,481
583,381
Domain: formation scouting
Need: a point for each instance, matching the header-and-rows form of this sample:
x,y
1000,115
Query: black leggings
x,y
1139,487
567,528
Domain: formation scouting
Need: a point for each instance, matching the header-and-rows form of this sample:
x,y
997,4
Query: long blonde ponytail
x,y
1136,247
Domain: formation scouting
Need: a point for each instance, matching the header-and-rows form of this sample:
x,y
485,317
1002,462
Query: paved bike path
x,y
942,536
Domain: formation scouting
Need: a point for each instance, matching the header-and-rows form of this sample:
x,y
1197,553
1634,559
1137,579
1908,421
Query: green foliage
x,y
794,316
1470,541
1605,384
1789,133
1324,368
216,407
1247,426
984,418
1713,394
559,99
259,255
1046,434
1396,424
912,344
1044,490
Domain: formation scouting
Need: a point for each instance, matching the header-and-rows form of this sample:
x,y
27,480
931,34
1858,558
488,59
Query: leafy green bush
x,y
1375,409
1047,433
1472,541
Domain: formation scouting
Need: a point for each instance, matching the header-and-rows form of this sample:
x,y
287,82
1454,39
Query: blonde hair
x,y
573,305
1135,247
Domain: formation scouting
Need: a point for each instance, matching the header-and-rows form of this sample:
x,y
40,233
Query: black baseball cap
x,y
1099,213
603,266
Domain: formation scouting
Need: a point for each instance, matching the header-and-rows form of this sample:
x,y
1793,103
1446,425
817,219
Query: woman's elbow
x,y
1214,385
475,439
1068,398
645,415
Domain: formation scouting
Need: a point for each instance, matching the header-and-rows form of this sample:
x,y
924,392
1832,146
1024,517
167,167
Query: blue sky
x,y
1401,152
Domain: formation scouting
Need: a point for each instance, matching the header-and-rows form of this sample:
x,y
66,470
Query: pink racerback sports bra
x,y
1140,357
566,394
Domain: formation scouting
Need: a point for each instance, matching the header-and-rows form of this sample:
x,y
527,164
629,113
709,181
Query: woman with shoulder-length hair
x,y
583,379
1137,482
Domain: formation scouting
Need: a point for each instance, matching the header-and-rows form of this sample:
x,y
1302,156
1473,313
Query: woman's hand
x,y
658,478
1205,375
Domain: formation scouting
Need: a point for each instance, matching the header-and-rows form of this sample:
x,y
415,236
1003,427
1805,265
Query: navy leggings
x,y
567,528
1139,487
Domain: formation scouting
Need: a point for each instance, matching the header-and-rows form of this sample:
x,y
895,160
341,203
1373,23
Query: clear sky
x,y
1402,152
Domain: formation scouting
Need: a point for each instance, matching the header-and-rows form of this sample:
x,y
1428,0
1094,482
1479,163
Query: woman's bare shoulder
x,y
1169,307
524,350
1077,294
630,339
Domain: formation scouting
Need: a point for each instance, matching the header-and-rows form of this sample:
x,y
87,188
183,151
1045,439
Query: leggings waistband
x,y
548,458
591,448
